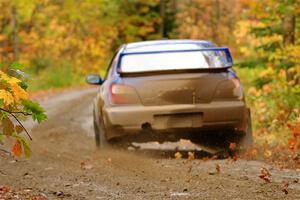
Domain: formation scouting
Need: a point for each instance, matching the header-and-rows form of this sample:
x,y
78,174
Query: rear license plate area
x,y
182,120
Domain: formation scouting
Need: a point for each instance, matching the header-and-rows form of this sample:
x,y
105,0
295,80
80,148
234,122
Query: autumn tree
x,y
80,35
14,106
137,20
268,39
208,20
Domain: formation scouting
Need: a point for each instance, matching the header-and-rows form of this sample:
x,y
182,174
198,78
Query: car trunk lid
x,y
167,89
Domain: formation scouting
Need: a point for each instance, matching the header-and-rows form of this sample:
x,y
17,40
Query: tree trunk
x,y
289,24
162,16
215,21
15,37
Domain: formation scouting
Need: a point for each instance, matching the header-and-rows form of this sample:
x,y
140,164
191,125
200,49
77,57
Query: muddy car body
x,y
171,88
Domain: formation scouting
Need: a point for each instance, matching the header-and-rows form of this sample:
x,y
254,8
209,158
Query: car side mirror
x,y
93,79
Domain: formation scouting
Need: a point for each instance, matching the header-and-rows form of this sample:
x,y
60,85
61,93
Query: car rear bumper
x,y
215,115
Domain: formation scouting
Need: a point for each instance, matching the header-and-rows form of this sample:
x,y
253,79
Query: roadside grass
x,y
58,77
46,74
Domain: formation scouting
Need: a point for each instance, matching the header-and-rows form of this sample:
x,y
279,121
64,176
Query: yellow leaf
x,y
16,94
7,97
10,80
191,156
268,153
19,93
178,155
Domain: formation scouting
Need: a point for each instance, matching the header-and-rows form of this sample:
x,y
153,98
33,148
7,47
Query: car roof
x,y
164,45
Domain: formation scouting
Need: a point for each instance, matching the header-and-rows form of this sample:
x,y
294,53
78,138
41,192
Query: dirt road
x,y
66,165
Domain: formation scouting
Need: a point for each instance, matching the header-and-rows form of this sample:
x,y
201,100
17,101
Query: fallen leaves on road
x,y
190,169
206,158
216,171
250,154
285,188
218,168
235,157
265,175
296,180
61,194
232,146
232,152
191,156
84,165
8,193
178,155
4,189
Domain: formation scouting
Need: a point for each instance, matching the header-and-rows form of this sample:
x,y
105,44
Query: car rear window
x,y
174,60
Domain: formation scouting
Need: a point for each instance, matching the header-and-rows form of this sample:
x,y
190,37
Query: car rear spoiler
x,y
205,70
181,71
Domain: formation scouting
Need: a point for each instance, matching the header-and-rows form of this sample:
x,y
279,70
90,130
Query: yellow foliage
x,y
244,39
18,92
7,97
271,39
11,93
267,88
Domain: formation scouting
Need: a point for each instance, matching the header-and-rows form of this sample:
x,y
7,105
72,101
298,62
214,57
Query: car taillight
x,y
236,82
238,89
123,94
229,88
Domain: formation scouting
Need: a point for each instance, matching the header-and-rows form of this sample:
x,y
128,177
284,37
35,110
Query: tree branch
x,y
21,125
16,112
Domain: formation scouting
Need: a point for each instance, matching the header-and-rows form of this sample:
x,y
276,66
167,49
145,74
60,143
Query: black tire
x,y
100,138
244,139
97,136
247,139
215,140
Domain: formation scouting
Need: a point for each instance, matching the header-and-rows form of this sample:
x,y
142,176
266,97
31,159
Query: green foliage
x,y
23,85
40,64
38,113
267,31
62,75
261,81
250,63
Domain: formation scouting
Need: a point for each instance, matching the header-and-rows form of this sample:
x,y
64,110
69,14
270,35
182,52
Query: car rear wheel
x,y
100,138
222,140
97,136
246,140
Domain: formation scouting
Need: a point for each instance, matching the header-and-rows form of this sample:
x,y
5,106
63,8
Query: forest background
x,y
57,42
